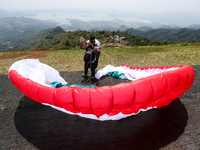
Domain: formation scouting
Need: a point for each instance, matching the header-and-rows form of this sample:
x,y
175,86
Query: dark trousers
x,y
91,62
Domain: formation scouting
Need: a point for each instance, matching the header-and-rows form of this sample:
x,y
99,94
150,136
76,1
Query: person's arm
x,y
97,45
97,48
83,46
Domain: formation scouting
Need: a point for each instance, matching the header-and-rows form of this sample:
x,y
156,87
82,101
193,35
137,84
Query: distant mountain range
x,y
59,39
26,23
169,35
20,31
4,14
104,19
195,26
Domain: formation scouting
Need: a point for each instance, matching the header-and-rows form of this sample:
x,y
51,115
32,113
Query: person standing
x,y
92,54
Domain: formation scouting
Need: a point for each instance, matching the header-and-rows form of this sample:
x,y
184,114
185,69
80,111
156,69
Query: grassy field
x,y
72,60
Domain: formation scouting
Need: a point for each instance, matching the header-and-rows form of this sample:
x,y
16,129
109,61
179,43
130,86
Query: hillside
x,y
46,39
4,14
169,35
144,28
16,32
14,36
195,26
23,22
58,39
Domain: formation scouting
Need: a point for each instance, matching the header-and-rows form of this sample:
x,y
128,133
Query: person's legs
x,y
87,64
93,70
97,59
95,63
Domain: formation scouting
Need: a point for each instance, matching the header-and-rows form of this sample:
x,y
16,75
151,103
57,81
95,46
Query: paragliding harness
x,y
89,53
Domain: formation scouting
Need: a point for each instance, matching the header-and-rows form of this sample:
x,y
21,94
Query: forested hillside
x,y
169,35
58,39
22,37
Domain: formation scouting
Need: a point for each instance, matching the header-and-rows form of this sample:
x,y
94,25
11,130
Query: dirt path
x,y
32,54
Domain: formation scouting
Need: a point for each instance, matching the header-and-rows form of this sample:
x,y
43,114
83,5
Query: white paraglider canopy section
x,y
43,74
132,74
37,72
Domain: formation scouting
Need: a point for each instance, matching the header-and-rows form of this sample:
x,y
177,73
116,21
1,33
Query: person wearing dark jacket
x,y
91,56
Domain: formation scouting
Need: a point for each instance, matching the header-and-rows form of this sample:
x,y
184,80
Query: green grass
x,y
144,56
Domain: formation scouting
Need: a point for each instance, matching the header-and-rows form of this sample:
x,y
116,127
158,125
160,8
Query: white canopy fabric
x,y
37,71
131,74
45,75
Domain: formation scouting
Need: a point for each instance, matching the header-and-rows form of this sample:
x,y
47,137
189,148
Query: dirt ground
x,y
41,54
32,54
111,45
26,124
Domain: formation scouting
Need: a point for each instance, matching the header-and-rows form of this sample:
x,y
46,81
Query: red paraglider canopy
x,y
158,87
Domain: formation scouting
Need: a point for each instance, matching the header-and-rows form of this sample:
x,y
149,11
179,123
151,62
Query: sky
x,y
145,6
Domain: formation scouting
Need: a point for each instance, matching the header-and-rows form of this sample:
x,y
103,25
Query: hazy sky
x,y
147,6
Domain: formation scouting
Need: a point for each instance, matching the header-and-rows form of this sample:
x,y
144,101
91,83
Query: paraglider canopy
x,y
150,87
